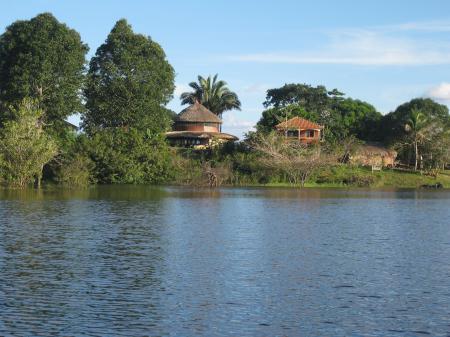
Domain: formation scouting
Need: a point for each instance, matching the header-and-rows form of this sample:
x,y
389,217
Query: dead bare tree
x,y
215,175
297,161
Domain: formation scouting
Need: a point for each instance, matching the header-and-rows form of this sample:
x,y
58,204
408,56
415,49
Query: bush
x,y
24,145
76,171
344,174
130,156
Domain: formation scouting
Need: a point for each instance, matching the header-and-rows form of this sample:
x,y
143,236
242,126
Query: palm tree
x,y
416,127
213,94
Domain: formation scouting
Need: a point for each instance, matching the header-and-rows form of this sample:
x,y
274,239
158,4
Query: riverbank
x,y
345,176
339,176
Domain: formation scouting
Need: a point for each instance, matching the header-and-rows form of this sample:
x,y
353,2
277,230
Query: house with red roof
x,y
301,130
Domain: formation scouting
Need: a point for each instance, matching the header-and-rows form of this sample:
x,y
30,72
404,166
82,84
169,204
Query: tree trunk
x,y
39,178
416,150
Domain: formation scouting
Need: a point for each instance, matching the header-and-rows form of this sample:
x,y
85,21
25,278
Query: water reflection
x,y
135,261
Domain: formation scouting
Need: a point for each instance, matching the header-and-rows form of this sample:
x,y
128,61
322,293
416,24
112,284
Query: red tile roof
x,y
298,123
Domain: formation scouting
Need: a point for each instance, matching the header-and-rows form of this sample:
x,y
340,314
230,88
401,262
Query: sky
x,y
382,52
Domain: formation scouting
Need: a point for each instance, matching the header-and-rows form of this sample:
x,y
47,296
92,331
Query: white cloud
x,y
230,120
256,88
440,92
421,26
381,46
180,88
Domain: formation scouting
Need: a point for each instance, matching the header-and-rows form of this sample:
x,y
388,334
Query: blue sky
x,y
383,52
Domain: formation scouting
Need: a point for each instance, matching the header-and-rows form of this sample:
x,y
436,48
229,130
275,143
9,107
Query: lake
x,y
162,261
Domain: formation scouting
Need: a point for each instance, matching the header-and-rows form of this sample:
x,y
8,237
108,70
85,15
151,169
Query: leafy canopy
x,y
43,59
129,82
24,146
393,124
129,157
342,117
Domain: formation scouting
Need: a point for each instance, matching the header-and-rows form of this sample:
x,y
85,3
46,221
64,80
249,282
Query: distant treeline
x,y
121,95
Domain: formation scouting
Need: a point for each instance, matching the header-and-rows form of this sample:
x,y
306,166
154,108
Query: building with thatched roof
x,y
374,155
197,127
301,130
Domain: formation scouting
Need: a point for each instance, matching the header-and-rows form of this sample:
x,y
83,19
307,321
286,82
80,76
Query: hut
x,y
197,127
301,130
374,155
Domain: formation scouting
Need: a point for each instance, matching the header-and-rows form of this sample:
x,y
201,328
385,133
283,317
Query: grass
x,y
351,176
392,178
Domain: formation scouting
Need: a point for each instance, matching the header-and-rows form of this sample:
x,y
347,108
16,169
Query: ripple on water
x,y
134,261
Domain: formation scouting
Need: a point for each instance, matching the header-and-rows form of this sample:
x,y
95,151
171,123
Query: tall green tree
x,y
416,127
342,117
213,94
24,145
129,81
357,118
317,99
274,115
43,59
130,157
393,124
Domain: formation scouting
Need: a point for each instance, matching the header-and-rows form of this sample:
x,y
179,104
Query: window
x,y
292,133
309,133
211,124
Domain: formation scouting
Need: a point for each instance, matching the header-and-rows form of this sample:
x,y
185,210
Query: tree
x,y
428,135
415,126
436,151
393,124
129,82
354,117
213,94
342,117
43,59
24,146
273,116
315,99
297,161
129,157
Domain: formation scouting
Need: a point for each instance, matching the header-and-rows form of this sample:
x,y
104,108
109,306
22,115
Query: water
x,y
141,261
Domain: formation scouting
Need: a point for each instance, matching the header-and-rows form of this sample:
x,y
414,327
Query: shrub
x,y
130,156
76,171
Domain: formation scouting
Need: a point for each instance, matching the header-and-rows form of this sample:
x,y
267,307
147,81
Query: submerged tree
x,y
24,146
213,94
129,157
43,59
129,82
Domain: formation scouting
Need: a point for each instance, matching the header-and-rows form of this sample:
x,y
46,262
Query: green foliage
x,y
129,81
355,117
213,94
315,99
130,156
43,59
346,175
24,145
187,168
342,117
273,116
75,171
419,129
72,167
393,124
